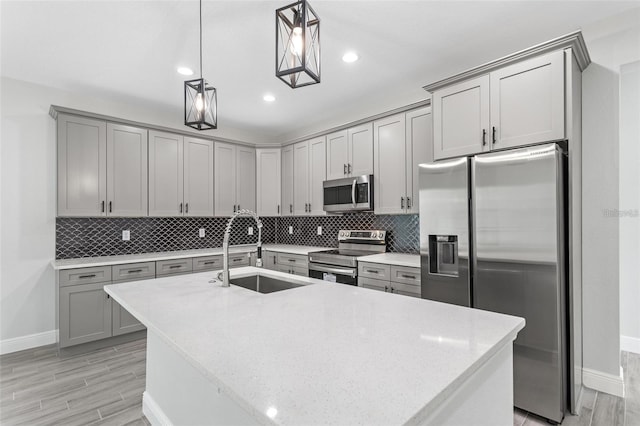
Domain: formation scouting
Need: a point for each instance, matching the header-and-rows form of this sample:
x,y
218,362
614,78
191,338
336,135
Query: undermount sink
x,y
263,283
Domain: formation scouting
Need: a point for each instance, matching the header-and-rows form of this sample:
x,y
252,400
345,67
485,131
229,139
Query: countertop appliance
x,y
348,194
341,265
493,236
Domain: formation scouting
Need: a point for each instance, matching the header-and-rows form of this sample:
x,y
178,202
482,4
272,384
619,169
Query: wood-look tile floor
x,y
105,387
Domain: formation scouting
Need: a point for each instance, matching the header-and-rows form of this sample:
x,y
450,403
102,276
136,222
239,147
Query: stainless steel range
x,y
341,265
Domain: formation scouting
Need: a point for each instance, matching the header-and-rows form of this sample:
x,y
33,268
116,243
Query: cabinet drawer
x,y
405,289
99,274
133,271
373,284
239,259
293,260
374,270
410,276
176,266
295,270
207,263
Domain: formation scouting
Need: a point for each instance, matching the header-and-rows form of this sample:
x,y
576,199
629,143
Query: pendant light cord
x,y
200,38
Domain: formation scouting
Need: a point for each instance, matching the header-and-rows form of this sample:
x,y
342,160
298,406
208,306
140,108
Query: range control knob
x,y
381,235
373,235
342,234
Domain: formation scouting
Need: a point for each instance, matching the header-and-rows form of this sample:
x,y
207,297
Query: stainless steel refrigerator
x,y
493,236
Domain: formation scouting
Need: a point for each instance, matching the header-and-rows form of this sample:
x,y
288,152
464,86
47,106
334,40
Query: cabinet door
x,y
287,181
126,171
85,314
165,174
360,150
419,142
82,166
461,119
527,101
337,154
300,178
246,178
225,180
317,174
373,284
269,260
122,321
198,177
268,182
389,165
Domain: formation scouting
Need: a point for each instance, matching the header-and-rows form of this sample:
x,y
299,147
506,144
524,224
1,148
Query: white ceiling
x,y
129,50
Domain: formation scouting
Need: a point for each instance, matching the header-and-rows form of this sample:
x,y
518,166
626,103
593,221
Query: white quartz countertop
x,y
322,353
87,262
397,259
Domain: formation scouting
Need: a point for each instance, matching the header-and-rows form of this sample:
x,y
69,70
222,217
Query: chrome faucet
x,y
225,244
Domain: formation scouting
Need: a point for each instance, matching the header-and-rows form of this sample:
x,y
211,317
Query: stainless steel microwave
x,y
348,194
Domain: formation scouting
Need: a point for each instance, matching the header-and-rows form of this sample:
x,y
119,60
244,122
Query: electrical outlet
x,y
319,230
126,235
291,230
250,230
201,233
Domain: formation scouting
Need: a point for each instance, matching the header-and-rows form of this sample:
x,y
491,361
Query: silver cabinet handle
x,y
402,202
87,276
180,207
408,202
134,271
493,132
372,271
237,259
175,266
211,262
353,192
309,207
238,207
102,208
110,206
186,208
484,137
291,260
234,208
349,168
278,208
344,169
290,208
411,277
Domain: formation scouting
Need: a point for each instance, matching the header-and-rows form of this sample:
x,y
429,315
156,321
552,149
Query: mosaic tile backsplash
x,y
87,237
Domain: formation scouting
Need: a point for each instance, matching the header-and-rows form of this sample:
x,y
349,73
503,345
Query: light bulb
x,y
296,41
199,102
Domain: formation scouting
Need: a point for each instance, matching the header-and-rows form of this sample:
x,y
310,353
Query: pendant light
x,y
200,99
298,44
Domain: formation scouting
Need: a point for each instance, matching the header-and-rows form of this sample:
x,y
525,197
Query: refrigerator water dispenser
x,y
444,255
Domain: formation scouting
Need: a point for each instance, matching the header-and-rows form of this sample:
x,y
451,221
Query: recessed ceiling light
x,y
269,98
350,57
185,71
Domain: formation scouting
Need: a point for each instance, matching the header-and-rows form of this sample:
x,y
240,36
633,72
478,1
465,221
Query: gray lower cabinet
x,y
85,314
174,266
239,259
122,321
392,279
295,270
296,264
269,260
207,263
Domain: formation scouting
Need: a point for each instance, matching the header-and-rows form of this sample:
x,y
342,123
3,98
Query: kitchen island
x,y
323,353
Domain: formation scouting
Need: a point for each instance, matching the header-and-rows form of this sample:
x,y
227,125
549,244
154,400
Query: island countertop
x,y
322,353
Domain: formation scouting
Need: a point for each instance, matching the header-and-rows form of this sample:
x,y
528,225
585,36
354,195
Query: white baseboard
x,y
630,344
603,382
21,343
153,412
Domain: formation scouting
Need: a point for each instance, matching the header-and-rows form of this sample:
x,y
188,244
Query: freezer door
x,y
444,231
519,257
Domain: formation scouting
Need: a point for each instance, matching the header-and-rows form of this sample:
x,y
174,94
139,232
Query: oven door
x,y
336,274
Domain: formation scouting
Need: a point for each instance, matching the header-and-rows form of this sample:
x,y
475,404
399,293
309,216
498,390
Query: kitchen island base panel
x,y
179,393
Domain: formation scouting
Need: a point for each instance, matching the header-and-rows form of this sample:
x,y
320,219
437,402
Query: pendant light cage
x,y
200,99
298,44
200,105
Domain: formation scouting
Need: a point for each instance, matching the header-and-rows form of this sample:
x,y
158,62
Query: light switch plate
x,y
291,230
201,233
250,230
126,235
319,230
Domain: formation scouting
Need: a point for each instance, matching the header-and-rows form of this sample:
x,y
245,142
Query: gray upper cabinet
x,y
198,177
235,178
350,152
300,178
246,178
287,181
461,119
82,164
527,101
317,174
419,143
126,171
166,177
268,182
401,143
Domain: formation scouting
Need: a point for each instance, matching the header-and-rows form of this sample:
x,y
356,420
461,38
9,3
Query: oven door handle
x,y
350,272
353,192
